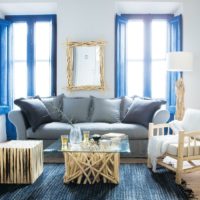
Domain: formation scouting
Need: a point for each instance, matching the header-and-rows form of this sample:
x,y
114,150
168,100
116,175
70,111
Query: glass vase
x,y
75,135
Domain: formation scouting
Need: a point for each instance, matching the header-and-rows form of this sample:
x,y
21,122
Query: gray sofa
x,y
50,132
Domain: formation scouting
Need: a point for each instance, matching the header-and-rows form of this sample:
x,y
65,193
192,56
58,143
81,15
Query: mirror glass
x,y
85,65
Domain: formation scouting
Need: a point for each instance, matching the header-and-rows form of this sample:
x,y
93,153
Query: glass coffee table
x,y
92,162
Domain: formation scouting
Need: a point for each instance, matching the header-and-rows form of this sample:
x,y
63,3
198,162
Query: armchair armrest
x,y
158,129
160,116
17,120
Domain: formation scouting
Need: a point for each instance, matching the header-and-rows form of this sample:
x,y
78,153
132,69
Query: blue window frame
x,y
147,60
31,21
4,96
120,56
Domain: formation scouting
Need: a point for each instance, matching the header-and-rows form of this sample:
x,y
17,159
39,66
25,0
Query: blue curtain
x,y
4,106
120,56
5,95
175,41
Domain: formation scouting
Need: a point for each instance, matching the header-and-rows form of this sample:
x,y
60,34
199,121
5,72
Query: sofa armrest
x,y
161,116
17,119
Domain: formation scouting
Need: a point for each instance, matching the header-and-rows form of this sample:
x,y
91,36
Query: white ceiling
x,y
130,7
27,8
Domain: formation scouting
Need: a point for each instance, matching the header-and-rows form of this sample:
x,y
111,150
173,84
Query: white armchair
x,y
179,140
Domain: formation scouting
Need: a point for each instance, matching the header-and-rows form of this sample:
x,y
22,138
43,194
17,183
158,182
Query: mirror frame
x,y
70,46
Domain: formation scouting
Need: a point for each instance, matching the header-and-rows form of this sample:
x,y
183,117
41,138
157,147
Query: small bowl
x,y
96,137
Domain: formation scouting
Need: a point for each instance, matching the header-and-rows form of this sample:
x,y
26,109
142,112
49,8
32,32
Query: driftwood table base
x,y
21,162
91,167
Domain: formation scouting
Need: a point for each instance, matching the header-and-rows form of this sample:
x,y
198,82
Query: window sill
x,y
4,110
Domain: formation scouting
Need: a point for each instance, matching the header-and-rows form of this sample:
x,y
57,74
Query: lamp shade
x,y
179,61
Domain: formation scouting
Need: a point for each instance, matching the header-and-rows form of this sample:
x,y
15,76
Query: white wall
x,y
191,38
94,19
3,136
84,21
1,15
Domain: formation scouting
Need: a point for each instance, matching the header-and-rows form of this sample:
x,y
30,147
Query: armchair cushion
x,y
194,150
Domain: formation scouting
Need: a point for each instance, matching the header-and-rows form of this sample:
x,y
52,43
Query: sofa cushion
x,y
134,131
54,130
54,106
76,109
35,111
49,131
27,124
105,110
125,105
141,111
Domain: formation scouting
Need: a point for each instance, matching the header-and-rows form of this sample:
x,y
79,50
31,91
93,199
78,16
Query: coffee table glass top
x,y
104,145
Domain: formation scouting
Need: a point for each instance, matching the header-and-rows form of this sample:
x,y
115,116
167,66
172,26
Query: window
x,y
42,50
33,55
146,40
19,60
158,62
135,57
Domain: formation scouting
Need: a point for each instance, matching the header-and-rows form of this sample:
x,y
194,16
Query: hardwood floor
x,y
193,182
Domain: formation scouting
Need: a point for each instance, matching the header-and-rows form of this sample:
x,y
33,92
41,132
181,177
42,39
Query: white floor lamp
x,y
180,62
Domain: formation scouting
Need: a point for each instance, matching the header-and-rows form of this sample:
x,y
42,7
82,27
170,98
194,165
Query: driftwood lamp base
x,y
180,105
91,167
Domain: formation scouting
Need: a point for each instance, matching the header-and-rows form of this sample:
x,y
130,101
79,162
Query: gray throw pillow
x,y
125,104
141,111
76,109
106,110
54,106
35,112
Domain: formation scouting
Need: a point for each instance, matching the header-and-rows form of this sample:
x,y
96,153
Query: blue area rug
x,y
137,182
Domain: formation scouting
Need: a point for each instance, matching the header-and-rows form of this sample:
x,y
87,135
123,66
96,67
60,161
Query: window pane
x,y
159,39
43,79
42,40
158,79
19,79
135,40
135,78
19,41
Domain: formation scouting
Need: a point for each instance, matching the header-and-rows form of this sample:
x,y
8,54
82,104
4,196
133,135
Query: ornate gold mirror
x,y
85,65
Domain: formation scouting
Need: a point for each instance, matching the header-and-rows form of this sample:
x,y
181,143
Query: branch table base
x,y
91,162
91,167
